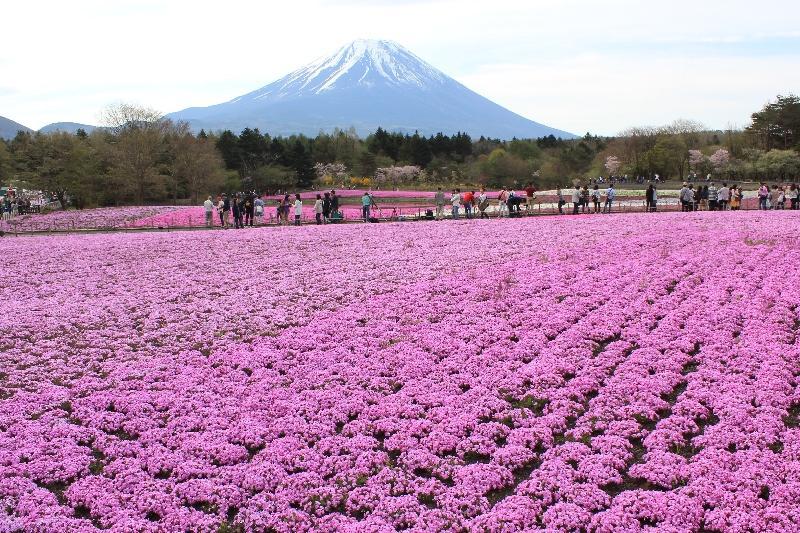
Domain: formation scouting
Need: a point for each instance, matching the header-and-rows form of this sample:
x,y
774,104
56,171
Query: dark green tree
x,y
303,164
228,146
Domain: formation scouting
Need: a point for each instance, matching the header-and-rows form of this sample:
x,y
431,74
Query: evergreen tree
x,y
303,164
277,152
253,149
228,146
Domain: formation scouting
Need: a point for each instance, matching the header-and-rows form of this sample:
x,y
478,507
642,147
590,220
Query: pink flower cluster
x,y
428,376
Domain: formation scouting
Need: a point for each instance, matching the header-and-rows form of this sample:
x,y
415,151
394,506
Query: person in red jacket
x,y
530,193
468,200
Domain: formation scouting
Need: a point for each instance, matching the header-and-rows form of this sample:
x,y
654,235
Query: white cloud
x,y
576,65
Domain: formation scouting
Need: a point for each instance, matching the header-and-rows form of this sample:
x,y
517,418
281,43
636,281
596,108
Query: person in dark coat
x,y
236,210
334,202
326,207
249,208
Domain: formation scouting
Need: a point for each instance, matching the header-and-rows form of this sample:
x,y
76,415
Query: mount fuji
x,y
365,85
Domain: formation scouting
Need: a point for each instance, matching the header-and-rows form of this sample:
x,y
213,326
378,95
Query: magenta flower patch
x,y
613,374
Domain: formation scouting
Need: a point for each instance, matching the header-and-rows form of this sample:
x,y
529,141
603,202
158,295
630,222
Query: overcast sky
x,y
598,66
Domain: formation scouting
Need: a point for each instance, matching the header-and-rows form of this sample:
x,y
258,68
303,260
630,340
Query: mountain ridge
x,y
366,84
67,127
9,128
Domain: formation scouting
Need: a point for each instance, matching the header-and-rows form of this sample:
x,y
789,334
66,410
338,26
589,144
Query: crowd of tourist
x,y
712,198
244,209
12,205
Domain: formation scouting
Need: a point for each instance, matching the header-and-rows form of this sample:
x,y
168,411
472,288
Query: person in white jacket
x,y
576,199
455,203
208,206
298,209
318,209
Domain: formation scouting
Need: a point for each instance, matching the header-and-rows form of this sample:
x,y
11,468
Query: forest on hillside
x,y
141,158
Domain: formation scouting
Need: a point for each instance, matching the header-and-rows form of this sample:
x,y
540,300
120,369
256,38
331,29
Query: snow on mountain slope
x,y
366,84
362,62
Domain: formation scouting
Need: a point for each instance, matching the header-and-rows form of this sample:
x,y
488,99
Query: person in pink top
x,y
763,196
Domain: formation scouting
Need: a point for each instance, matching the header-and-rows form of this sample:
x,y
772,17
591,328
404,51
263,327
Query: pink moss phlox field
x,y
533,374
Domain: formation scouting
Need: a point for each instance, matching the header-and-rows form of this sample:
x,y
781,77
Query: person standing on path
x,y
723,197
298,209
455,203
245,204
713,197
763,196
483,203
439,202
777,198
585,198
208,206
596,199
560,200
683,197
576,199
226,209
236,211
530,196
701,198
259,209
248,208
318,209
366,203
648,198
326,208
736,198
513,203
793,194
285,208
469,198
334,204
220,205
502,205
655,198
610,195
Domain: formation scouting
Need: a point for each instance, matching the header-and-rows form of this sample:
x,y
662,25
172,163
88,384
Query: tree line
x,y
140,157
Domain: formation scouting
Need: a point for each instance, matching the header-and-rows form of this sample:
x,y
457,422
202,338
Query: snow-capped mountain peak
x,y
365,85
364,63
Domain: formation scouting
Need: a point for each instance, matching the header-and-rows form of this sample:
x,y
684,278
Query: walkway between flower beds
x,y
620,208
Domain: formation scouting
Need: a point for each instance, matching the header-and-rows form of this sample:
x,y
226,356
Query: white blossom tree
x,y
720,158
334,171
613,164
696,158
395,175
